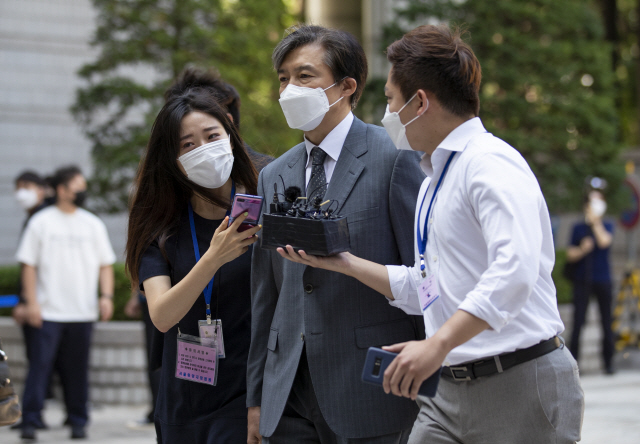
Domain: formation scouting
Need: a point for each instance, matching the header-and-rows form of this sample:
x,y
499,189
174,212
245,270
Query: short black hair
x,y
32,177
64,175
208,81
343,53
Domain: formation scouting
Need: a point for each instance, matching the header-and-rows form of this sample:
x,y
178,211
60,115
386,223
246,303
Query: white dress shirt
x,y
489,246
332,145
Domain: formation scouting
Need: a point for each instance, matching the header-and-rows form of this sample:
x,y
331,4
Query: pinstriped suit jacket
x,y
376,187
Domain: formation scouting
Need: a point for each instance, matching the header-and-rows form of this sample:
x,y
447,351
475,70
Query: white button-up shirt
x,y
332,145
489,246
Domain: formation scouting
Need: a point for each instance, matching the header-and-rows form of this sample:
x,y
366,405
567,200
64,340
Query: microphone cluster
x,y
296,205
305,223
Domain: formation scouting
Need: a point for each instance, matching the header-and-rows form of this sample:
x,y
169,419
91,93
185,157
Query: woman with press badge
x,y
194,267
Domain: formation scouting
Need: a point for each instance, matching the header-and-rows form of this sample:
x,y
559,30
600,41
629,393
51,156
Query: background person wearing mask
x,y
65,253
311,328
591,273
31,192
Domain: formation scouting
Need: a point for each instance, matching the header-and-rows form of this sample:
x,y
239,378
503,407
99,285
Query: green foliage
x,y
143,45
121,292
547,86
9,277
564,289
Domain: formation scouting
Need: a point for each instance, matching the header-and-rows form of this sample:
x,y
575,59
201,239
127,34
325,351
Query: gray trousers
x,y
302,421
537,402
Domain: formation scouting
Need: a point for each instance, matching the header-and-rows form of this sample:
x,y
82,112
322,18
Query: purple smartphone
x,y
246,203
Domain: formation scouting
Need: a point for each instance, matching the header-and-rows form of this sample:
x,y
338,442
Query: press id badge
x,y
428,291
213,331
197,359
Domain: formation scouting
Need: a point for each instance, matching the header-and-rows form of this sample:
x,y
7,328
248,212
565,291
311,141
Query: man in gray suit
x,y
311,328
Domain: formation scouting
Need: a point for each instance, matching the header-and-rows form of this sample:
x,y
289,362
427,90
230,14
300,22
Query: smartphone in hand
x,y
246,203
377,362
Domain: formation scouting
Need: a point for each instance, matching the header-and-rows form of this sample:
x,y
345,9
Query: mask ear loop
x,y
332,87
418,114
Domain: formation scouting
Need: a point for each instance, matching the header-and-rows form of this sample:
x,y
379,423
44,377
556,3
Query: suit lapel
x,y
348,167
295,174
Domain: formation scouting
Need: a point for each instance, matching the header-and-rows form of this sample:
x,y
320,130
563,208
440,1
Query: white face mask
x,y
598,207
304,108
209,165
27,198
395,128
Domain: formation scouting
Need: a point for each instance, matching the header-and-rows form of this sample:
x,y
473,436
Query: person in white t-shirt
x,y
65,252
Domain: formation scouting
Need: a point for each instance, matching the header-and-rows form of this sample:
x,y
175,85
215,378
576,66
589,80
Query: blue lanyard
x,y
209,288
422,239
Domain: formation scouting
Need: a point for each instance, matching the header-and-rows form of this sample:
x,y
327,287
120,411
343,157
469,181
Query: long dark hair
x,y
161,190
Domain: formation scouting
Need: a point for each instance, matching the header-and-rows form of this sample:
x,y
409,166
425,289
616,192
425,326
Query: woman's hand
x,y
338,262
227,243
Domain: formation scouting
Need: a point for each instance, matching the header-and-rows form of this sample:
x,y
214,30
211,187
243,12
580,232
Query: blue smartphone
x,y
377,362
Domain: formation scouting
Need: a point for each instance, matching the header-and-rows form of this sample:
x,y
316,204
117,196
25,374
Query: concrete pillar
x,y
340,14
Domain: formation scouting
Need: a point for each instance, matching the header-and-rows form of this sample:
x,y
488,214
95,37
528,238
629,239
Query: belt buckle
x,y
460,369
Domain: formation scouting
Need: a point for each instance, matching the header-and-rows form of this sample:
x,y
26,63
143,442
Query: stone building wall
x,y
43,43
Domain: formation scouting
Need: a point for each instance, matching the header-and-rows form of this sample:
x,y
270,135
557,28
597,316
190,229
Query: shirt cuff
x,y
404,289
485,311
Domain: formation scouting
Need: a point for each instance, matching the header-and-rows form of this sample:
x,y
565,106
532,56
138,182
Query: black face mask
x,y
81,196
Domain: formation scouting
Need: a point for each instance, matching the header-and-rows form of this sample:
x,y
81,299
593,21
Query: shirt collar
x,y
332,143
456,140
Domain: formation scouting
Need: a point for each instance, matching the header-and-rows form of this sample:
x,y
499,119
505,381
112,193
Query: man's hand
x,y
19,313
420,359
338,262
253,429
417,360
34,314
106,308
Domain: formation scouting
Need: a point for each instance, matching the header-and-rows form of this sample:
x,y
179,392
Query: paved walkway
x,y
612,415
108,426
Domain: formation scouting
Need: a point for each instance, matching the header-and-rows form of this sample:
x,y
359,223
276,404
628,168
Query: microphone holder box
x,y
318,237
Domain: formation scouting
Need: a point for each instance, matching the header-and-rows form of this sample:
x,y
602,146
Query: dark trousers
x,y
30,333
152,374
581,293
302,421
68,343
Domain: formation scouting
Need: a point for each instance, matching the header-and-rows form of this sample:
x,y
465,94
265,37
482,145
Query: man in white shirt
x,y
482,272
65,251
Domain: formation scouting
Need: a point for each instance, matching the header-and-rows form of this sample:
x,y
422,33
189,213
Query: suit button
x,y
308,288
302,336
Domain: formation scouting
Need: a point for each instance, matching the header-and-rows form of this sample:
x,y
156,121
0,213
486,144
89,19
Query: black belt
x,y
500,363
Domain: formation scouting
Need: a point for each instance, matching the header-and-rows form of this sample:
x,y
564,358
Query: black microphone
x,y
291,194
275,205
